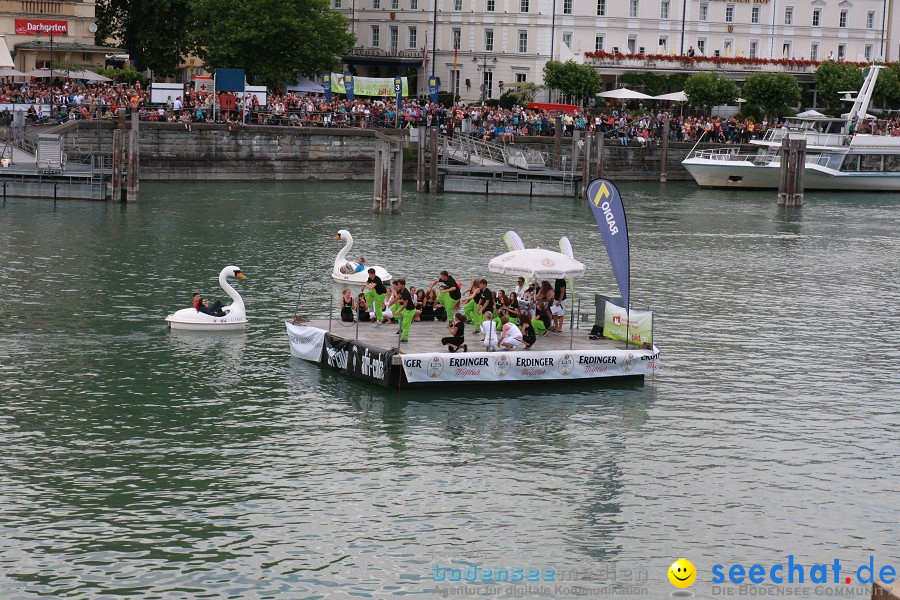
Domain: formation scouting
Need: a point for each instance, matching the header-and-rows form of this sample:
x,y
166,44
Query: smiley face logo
x,y
682,573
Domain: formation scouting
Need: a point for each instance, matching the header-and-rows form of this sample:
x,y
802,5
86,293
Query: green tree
x,y
708,89
774,93
274,41
833,77
523,92
154,32
887,86
574,81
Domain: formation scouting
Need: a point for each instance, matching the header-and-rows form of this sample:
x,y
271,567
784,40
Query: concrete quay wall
x,y
168,151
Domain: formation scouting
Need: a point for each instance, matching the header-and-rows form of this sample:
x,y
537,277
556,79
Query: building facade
x,y
38,32
473,43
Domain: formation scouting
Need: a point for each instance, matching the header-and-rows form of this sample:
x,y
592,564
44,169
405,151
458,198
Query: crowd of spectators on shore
x,y
642,125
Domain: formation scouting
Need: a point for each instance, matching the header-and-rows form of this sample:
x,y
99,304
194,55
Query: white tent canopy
x,y
84,74
536,262
624,94
6,61
306,85
810,113
673,97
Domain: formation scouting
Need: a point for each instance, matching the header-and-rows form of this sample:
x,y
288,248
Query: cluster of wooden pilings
x,y
793,164
126,152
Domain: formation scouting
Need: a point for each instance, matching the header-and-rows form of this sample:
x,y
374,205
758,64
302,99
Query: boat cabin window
x,y
870,162
851,163
892,163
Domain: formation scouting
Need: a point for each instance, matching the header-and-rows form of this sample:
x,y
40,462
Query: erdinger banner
x,y
528,366
606,203
366,86
357,359
619,324
306,342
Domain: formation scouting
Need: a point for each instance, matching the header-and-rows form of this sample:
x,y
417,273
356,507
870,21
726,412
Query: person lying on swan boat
x,y
349,267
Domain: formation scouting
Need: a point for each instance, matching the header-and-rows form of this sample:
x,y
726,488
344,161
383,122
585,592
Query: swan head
x,y
343,234
232,271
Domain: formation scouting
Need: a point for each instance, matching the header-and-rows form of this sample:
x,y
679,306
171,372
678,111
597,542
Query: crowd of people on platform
x,y
501,320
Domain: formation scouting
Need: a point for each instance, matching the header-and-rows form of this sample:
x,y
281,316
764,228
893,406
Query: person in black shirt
x,y
450,294
375,293
485,300
558,308
347,306
427,307
456,339
362,308
405,313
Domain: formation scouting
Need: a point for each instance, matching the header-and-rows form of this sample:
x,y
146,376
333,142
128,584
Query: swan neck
x,y
232,293
343,253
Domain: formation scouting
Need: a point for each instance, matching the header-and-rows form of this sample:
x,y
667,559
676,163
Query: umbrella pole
x,y
572,324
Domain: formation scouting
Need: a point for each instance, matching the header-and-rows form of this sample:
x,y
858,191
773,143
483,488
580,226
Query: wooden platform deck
x,y
426,337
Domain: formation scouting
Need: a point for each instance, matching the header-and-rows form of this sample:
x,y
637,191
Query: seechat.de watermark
x,y
523,581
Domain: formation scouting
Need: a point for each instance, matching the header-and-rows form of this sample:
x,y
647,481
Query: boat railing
x,y
723,154
813,138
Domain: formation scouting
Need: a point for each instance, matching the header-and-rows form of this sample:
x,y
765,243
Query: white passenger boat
x,y
841,153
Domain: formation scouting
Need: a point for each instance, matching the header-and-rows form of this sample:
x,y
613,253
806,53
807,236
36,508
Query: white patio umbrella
x,y
624,94
11,73
536,262
88,76
673,97
40,73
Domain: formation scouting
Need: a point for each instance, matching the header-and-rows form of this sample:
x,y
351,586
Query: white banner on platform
x,y
528,366
618,323
306,342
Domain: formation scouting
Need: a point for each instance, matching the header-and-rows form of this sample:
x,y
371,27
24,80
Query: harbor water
x,y
139,461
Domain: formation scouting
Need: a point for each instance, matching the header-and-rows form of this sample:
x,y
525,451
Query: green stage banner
x,y
368,86
639,326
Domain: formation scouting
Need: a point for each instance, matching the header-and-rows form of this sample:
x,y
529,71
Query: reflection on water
x,y
178,464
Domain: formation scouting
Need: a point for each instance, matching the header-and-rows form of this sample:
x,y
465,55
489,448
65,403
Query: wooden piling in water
x,y
793,163
388,174
664,161
420,160
433,165
115,193
601,137
133,156
586,167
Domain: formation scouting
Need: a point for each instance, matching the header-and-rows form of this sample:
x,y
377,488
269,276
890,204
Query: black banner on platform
x,y
357,359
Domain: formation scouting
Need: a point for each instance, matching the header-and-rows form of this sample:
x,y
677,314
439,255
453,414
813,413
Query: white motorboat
x,y
235,318
848,153
346,270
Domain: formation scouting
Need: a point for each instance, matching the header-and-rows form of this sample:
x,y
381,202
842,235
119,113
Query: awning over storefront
x,y
6,61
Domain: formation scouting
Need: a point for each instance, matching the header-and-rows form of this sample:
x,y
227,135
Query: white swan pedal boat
x,y
341,262
235,319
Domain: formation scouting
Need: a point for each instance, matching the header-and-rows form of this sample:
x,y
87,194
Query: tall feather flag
x,y
513,241
606,203
425,52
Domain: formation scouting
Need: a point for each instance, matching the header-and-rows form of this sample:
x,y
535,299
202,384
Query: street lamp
x,y
50,33
483,59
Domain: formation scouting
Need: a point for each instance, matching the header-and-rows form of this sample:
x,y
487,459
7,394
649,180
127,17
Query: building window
x,y
814,52
487,78
601,8
457,5
523,5
817,17
664,9
633,9
754,14
567,39
701,45
454,82
489,6
523,42
754,48
567,7
337,3
395,4
870,20
729,13
489,40
413,37
843,21
395,40
598,43
413,4
376,36
521,77
376,3
868,52
457,39
842,51
729,47
788,15
663,47
704,12
632,44
786,50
